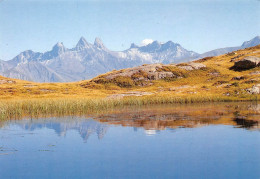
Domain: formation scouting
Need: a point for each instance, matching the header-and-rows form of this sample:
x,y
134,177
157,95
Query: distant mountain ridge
x,y
169,52
87,60
253,42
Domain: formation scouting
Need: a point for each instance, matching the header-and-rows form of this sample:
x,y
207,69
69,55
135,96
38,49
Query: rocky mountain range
x,y
87,60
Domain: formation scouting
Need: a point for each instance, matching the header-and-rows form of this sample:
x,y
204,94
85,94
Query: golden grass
x,y
210,84
34,108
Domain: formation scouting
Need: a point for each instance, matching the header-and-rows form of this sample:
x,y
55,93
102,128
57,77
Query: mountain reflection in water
x,y
152,119
85,127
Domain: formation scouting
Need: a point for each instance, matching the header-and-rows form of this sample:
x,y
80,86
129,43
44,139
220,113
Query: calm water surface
x,y
188,141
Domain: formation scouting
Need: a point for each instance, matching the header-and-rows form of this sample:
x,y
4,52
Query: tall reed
x,y
10,109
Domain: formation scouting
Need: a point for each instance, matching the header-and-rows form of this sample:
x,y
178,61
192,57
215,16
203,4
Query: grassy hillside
x,y
214,80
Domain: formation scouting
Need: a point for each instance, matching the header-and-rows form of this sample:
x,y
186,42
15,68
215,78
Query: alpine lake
x,y
211,140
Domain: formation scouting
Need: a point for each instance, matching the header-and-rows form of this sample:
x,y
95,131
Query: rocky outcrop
x,y
139,76
254,90
150,72
145,74
247,63
191,66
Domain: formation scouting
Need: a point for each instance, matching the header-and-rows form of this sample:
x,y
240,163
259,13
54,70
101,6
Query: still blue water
x,y
86,148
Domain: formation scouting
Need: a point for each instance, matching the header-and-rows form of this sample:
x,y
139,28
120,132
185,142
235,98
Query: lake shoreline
x,y
18,108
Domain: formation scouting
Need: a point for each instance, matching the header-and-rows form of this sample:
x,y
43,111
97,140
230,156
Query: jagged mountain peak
x,y
58,49
152,47
82,43
26,56
26,52
133,45
82,40
87,60
256,37
157,46
154,43
58,45
171,43
98,43
170,46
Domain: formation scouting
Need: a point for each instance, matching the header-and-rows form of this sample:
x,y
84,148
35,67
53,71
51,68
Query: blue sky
x,y
200,25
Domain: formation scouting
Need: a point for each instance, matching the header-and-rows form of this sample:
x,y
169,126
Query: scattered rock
x,y
226,85
254,90
251,81
255,73
192,92
204,59
214,74
236,57
238,78
256,52
254,107
220,86
7,82
226,94
231,53
247,63
160,89
29,86
191,66
130,93
46,90
188,68
220,83
179,87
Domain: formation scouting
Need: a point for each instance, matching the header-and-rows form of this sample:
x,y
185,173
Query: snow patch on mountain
x,y
146,42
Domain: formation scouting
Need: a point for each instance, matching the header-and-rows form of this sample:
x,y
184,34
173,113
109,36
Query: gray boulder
x,y
247,63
